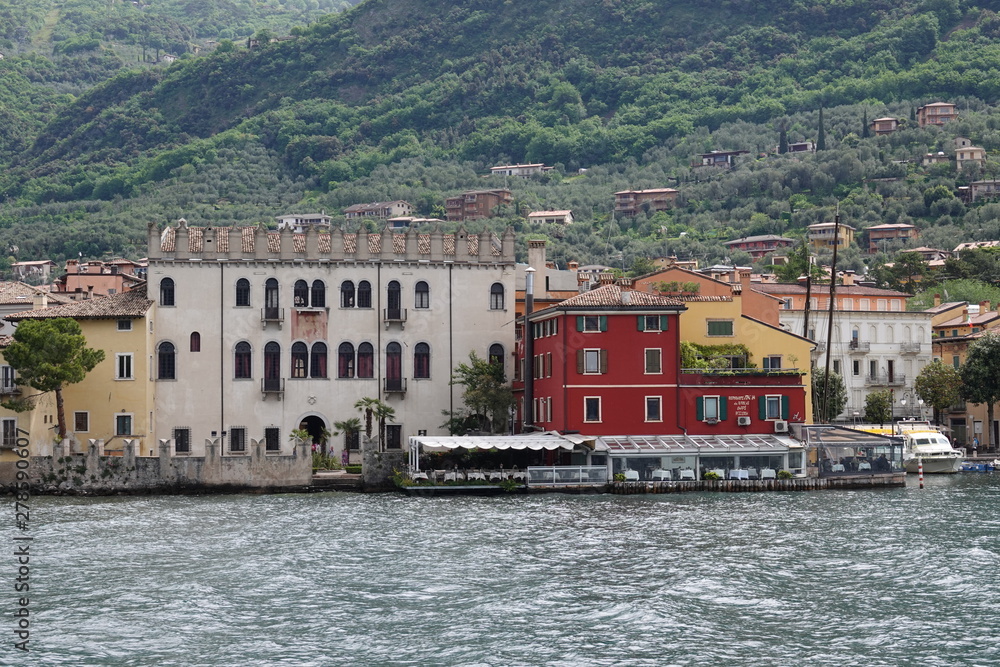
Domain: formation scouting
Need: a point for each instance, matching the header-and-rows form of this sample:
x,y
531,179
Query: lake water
x,y
888,577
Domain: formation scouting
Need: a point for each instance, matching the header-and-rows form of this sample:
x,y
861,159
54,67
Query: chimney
x,y
965,315
937,300
90,291
606,278
39,301
847,278
572,266
744,281
536,260
984,307
802,280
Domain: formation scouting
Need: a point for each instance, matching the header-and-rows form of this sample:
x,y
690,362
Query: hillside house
x,y
379,210
930,159
551,217
936,113
758,246
721,159
822,235
984,189
301,222
476,204
883,237
522,170
632,202
881,126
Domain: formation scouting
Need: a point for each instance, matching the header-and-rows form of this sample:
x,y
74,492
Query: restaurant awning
x,y
533,441
672,445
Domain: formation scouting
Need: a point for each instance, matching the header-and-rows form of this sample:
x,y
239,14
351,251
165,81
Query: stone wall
x,y
94,473
377,466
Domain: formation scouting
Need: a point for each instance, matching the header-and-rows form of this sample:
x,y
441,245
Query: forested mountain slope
x,y
411,98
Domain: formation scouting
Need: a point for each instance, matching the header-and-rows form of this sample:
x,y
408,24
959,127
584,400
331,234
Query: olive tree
x,y
981,377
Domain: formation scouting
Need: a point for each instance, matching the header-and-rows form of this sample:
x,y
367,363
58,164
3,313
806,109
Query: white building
x,y
875,343
261,332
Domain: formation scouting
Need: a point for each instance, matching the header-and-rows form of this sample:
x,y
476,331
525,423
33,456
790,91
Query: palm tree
x,y
348,427
383,412
366,405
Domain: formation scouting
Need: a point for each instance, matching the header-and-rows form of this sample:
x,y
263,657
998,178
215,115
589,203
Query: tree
x,y
836,401
47,355
350,428
981,377
878,407
378,410
938,386
487,394
821,135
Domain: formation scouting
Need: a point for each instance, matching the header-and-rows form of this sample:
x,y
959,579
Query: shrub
x,y
711,474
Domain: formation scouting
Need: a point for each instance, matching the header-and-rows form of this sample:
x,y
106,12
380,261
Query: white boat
x,y
928,445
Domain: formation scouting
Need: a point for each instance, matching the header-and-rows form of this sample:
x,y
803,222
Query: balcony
x,y
390,315
9,389
859,346
909,348
820,347
394,385
270,314
885,380
273,386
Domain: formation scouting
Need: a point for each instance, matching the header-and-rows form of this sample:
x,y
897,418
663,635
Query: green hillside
x,y
414,99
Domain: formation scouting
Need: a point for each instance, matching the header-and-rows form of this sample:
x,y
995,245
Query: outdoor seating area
x,y
472,476
844,452
689,474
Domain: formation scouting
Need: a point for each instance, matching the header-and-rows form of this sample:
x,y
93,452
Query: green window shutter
x,y
784,407
640,322
762,407
723,412
604,322
579,361
663,322
699,409
604,361
579,323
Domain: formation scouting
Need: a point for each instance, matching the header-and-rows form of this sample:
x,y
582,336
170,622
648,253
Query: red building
x,y
607,362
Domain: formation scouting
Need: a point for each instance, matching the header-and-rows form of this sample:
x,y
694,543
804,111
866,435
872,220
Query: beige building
x,y
824,235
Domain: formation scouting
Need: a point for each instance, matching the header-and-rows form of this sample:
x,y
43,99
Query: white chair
x,y
768,473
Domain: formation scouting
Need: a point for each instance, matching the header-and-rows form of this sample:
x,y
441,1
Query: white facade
x,y
871,350
265,306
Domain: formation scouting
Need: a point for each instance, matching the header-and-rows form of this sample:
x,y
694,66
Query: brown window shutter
x,y
579,362
604,361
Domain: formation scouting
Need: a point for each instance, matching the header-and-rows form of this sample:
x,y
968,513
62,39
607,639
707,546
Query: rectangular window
x,y
124,325
182,440
896,305
123,367
555,327
773,407
836,366
123,424
883,305
272,439
238,439
872,368
856,367
786,304
548,364
653,361
81,422
592,409
393,436
654,411
720,327
9,433
954,361
7,383
652,323
711,410
772,363
591,323
866,304
591,361
847,304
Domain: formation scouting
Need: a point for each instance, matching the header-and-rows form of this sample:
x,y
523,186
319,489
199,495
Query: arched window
x,y
421,360
496,355
167,292
166,361
366,360
345,360
364,294
421,295
317,361
242,292
300,294
496,296
347,294
394,306
243,361
271,303
195,341
393,367
272,367
318,294
300,360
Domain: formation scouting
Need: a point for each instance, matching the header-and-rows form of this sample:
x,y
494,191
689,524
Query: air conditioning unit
x,y
781,427
743,421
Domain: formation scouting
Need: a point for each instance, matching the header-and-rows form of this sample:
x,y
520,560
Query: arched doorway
x,y
318,433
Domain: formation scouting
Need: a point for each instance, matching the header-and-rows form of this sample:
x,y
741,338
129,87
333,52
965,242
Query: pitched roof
x,y
945,306
18,293
129,304
616,297
761,237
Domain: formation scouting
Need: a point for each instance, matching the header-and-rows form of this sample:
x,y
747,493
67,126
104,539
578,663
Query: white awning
x,y
664,445
534,441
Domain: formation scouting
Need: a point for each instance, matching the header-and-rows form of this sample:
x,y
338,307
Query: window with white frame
x,y
654,408
772,407
592,409
81,422
711,408
123,366
654,360
591,323
591,361
8,435
8,384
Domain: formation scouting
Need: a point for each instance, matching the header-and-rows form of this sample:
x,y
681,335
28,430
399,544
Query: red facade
x,y
603,367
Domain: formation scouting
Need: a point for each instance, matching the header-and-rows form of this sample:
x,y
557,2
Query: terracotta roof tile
x,y
615,296
127,304
15,293
850,290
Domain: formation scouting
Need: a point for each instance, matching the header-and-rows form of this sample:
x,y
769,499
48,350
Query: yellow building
x,y
114,402
719,320
821,235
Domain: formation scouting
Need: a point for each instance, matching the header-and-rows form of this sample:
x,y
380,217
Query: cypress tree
x,y
864,127
821,135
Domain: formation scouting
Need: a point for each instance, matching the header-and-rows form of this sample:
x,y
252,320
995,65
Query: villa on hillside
x,y
936,113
